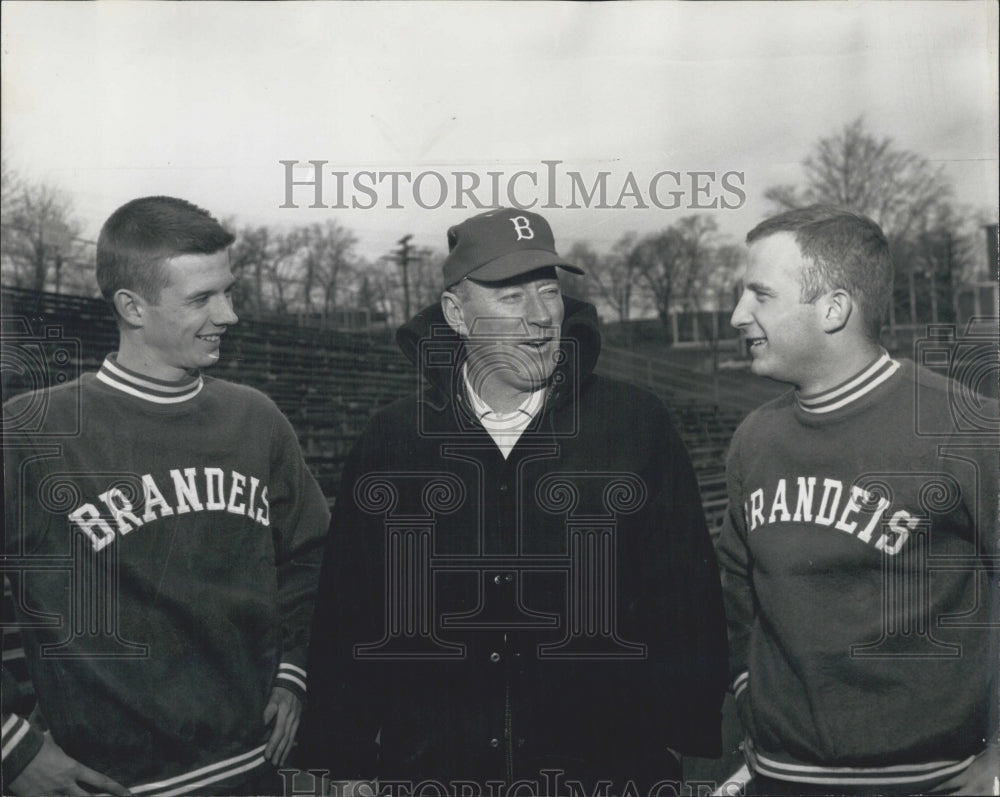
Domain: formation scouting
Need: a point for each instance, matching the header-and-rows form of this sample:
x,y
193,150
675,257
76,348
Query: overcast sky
x,y
110,101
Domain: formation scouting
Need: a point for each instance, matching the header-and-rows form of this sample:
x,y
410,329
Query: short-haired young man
x,y
173,536
519,584
859,549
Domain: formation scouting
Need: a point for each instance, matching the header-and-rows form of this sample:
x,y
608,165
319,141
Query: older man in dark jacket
x,y
519,586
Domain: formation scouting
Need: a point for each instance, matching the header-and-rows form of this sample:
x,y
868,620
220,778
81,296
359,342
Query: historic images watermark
x,y
35,361
969,358
587,624
965,436
317,184
549,783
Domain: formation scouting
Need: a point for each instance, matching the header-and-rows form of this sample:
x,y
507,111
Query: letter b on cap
x,y
522,227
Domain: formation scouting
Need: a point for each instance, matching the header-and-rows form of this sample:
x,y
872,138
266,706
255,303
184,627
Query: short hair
x,y
847,250
460,289
141,234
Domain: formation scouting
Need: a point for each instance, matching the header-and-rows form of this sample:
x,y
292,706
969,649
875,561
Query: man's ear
x,y
451,306
130,306
836,307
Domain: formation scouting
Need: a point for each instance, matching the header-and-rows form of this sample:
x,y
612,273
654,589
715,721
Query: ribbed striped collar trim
x,y
157,391
853,389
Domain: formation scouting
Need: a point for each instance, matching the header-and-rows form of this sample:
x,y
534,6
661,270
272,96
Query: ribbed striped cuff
x,y
20,744
292,677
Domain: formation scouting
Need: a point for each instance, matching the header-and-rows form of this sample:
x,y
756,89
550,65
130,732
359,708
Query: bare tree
x,y
327,259
10,184
384,290
425,276
612,279
40,235
281,272
930,239
265,265
249,258
296,270
897,188
372,293
671,264
724,275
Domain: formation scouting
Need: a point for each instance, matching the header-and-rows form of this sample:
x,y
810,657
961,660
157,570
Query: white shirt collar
x,y
504,427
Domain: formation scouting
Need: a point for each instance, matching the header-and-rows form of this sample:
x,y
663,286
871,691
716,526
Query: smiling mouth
x,y
755,343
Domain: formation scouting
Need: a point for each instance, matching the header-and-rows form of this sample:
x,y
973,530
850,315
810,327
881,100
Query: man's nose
x,y
538,312
223,313
741,315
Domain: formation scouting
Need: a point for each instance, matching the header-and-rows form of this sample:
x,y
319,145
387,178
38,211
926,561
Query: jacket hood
x,y
434,347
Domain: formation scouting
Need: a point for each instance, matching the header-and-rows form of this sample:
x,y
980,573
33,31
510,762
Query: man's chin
x,y
540,373
527,371
208,360
533,366
536,380
761,369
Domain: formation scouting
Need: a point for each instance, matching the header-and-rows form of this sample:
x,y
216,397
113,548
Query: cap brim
x,y
520,262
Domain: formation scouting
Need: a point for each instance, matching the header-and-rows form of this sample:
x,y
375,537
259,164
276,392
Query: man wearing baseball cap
x,y
519,587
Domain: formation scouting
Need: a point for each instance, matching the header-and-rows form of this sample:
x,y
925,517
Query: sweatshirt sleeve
x,y
300,519
21,743
737,580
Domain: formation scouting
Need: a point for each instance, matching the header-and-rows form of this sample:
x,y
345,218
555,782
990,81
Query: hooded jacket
x,y
482,618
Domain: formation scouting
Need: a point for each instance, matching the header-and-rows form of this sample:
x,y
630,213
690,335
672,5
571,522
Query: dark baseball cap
x,y
501,244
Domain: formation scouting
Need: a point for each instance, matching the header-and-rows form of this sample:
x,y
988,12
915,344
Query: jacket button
x,y
496,579
494,742
494,657
503,488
